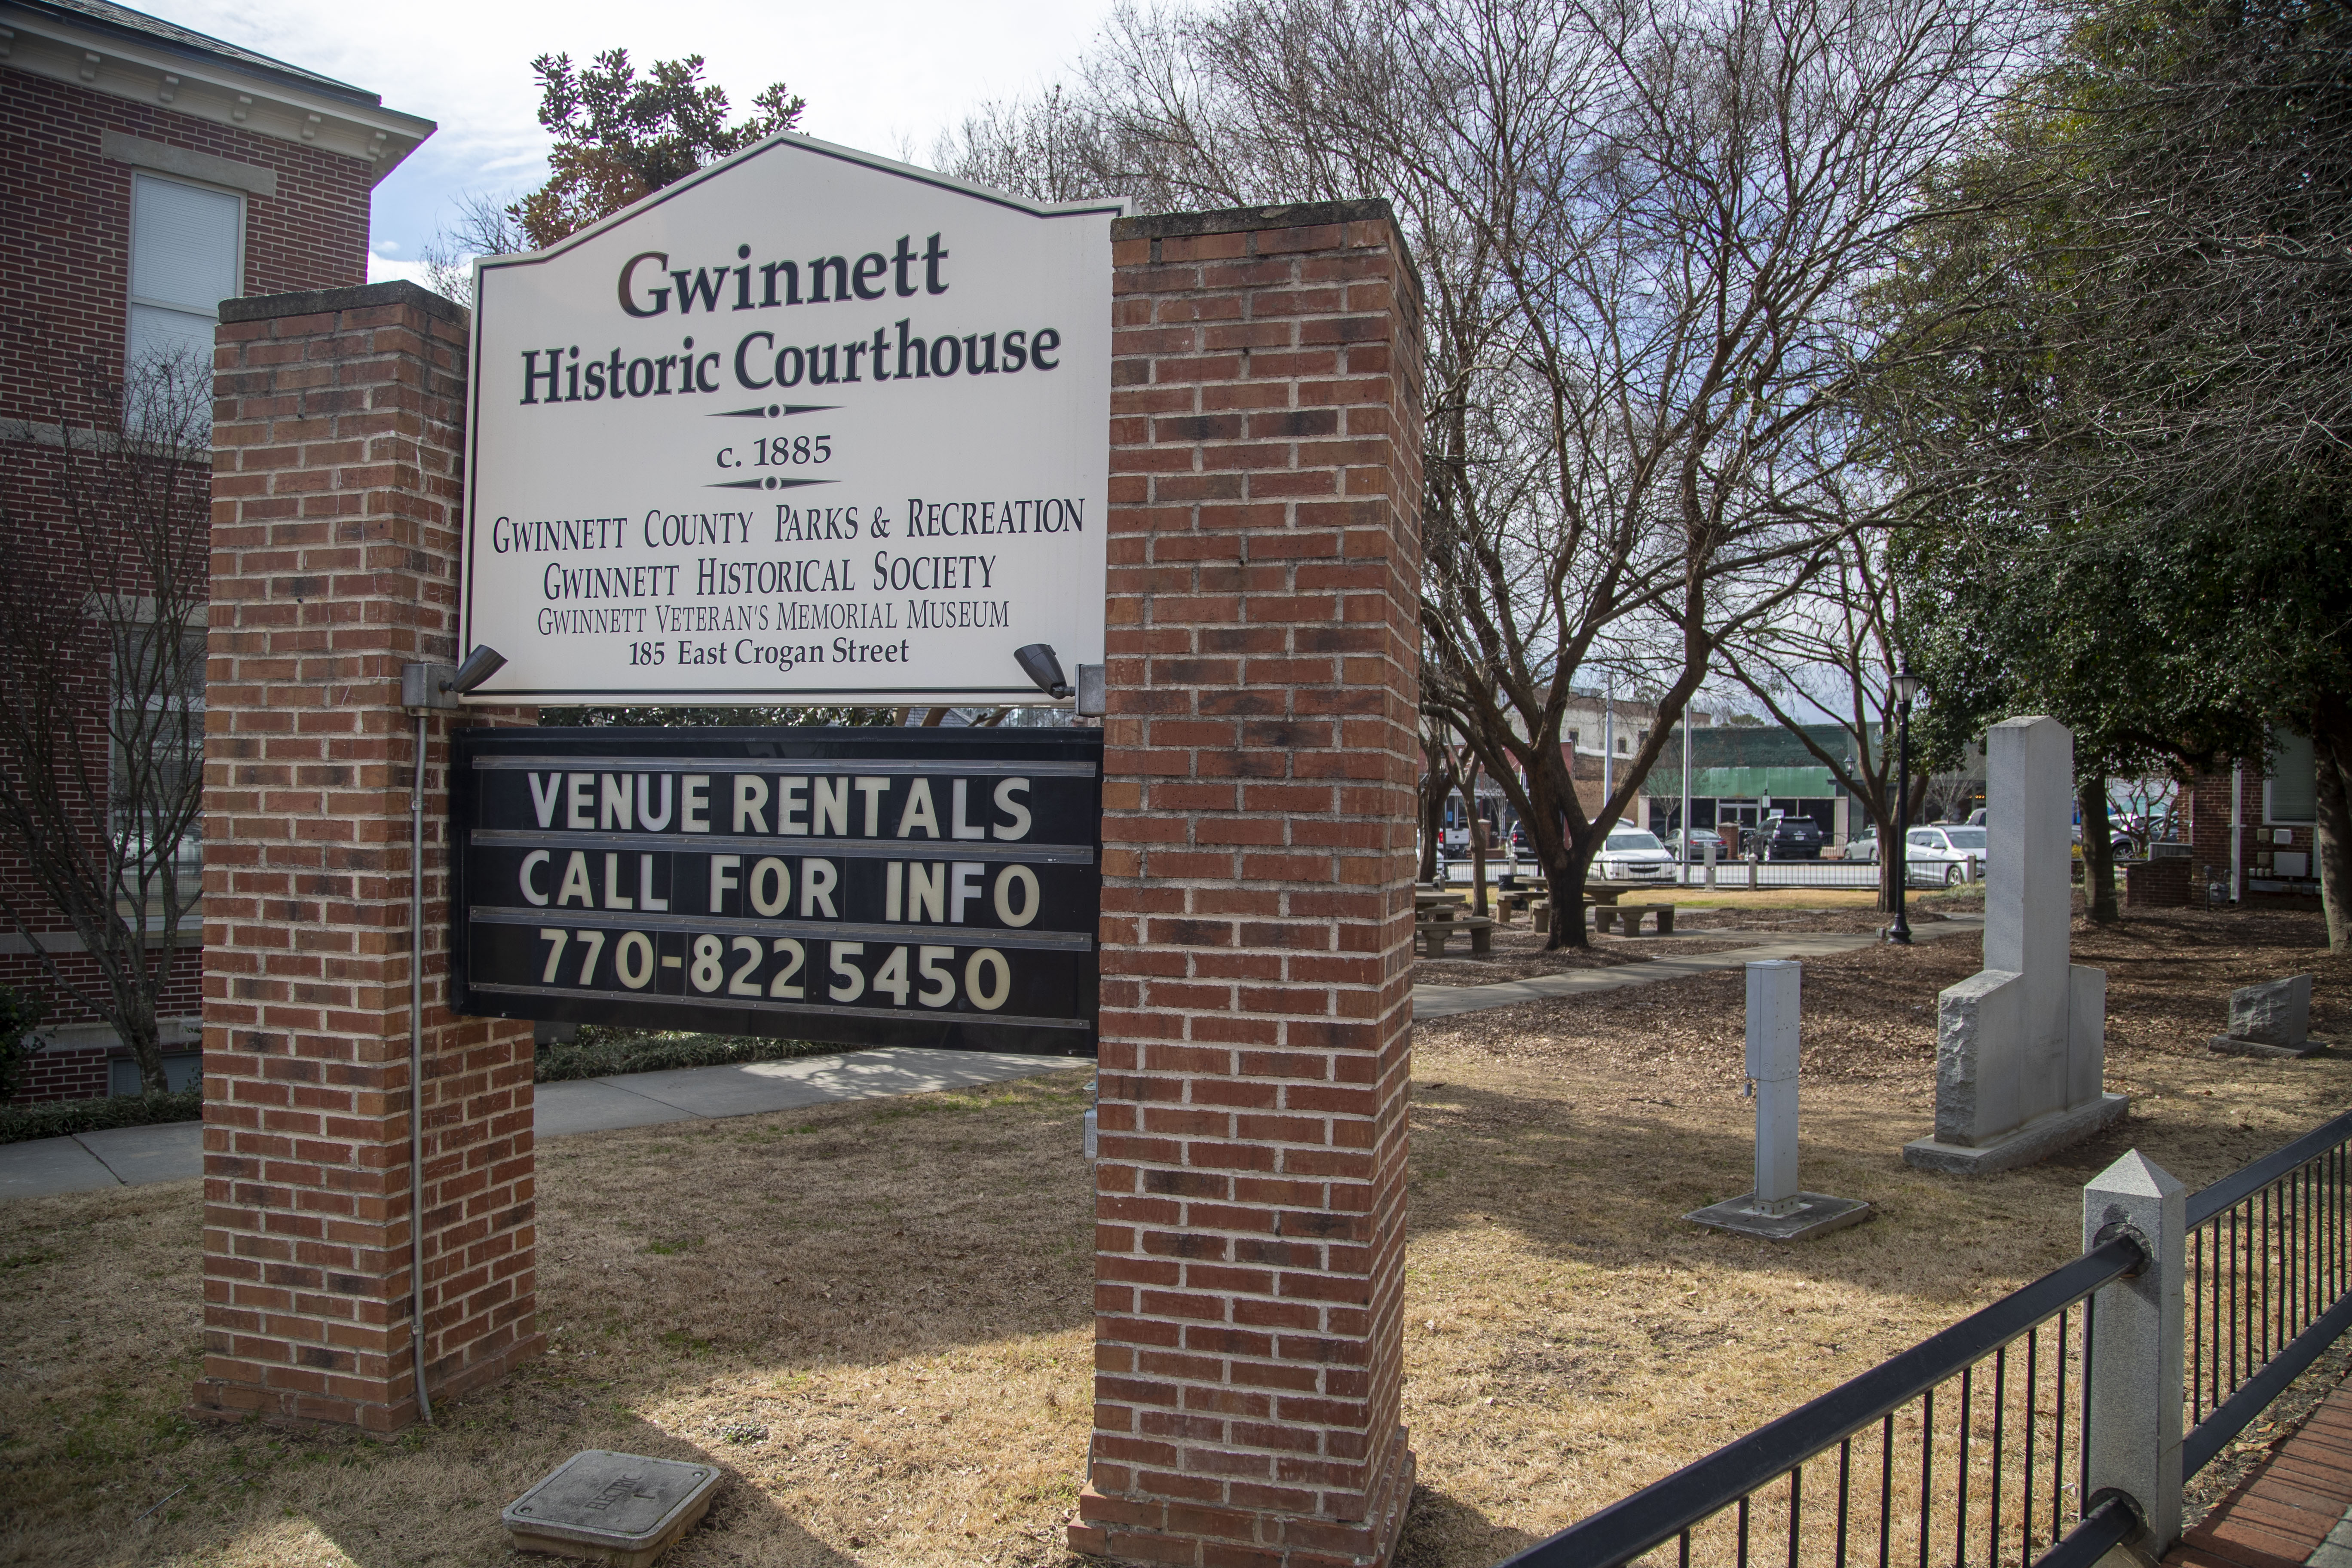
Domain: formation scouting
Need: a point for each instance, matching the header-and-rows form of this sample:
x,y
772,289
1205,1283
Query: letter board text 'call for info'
x,y
862,893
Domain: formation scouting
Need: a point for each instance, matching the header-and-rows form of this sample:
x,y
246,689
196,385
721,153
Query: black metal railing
x,y
2268,1260
1972,1439
1972,1445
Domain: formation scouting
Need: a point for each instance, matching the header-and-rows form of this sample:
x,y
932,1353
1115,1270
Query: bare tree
x,y
1645,229
102,616
1829,659
483,226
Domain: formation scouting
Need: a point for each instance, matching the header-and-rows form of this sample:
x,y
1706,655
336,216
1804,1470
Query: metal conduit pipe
x,y
423,689
416,1072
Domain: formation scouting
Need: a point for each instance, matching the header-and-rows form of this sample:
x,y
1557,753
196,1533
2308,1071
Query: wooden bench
x,y
1604,915
1434,933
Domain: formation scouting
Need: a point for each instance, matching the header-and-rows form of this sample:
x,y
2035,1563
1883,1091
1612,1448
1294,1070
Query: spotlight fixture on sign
x,y
1039,663
480,665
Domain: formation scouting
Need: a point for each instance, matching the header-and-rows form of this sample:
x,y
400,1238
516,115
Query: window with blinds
x,y
2293,791
186,256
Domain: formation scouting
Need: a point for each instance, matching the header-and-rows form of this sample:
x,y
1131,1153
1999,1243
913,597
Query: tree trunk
x,y
1882,817
1477,840
2331,838
2098,850
1437,787
137,1027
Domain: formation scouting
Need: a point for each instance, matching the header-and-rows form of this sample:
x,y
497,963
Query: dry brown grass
x,y
898,1293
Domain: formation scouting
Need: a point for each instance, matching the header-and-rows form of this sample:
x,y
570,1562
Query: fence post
x,y
1710,867
2134,1354
1752,864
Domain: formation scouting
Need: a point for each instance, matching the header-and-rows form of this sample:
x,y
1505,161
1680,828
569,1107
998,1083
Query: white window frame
x,y
2269,816
130,298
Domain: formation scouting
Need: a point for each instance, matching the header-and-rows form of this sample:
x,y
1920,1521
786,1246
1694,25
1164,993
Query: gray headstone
x,y
2276,1012
2021,1047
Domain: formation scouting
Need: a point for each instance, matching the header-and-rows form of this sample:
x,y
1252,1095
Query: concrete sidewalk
x,y
128,1156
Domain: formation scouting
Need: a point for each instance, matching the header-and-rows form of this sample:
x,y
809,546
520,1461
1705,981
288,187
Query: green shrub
x,y
600,1053
17,1016
57,1118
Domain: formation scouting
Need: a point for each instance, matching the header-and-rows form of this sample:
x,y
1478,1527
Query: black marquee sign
x,y
900,887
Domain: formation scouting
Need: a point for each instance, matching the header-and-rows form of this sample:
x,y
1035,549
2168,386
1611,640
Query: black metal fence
x,y
1973,1446
2269,1258
1971,1438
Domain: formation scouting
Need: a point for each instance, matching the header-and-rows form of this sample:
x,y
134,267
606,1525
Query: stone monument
x,y
2021,1045
2272,1019
1775,1209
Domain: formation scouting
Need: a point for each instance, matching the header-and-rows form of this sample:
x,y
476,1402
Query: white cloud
x,y
383,270
887,79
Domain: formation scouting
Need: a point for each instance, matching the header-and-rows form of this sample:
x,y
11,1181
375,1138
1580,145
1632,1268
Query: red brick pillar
x,y
1258,890
339,426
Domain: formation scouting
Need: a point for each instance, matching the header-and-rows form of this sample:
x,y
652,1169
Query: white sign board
x,y
806,426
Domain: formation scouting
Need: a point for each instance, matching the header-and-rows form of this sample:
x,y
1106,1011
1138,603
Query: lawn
x,y
874,1317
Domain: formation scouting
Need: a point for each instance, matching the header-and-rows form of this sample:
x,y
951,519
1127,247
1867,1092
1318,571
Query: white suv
x,y
1632,854
1943,855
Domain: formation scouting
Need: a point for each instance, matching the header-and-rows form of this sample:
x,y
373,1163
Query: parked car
x,y
1864,846
1939,855
1634,855
1698,839
2120,843
1455,840
1791,838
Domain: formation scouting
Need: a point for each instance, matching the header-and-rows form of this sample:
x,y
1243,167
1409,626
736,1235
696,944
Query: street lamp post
x,y
1907,688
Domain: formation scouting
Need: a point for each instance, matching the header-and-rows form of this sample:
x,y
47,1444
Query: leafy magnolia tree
x,y
619,137
2145,402
2008,618
1642,232
105,533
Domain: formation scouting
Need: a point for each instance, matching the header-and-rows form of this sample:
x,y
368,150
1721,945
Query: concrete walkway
x,y
1446,1001
127,1156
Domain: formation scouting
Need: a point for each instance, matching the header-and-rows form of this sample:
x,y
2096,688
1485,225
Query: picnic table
x,y
1433,934
1605,915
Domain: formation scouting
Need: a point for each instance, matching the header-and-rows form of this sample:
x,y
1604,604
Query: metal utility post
x,y
1685,822
1907,687
1776,1208
1608,742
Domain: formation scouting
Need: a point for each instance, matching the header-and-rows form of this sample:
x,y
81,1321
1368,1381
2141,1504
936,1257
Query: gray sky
x,y
884,77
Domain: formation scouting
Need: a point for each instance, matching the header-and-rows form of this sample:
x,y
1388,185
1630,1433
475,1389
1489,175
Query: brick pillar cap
x,y
366,297
1243,220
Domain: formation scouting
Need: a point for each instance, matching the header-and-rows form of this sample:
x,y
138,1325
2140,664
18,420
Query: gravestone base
x,y
2231,1046
1808,1215
2036,1140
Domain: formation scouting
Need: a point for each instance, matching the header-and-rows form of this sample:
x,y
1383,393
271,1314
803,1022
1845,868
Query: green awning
x,y
1751,783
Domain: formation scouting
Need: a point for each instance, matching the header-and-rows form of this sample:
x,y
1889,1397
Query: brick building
x,y
2248,836
147,173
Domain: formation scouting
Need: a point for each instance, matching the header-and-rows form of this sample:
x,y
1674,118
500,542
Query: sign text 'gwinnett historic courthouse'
x,y
790,431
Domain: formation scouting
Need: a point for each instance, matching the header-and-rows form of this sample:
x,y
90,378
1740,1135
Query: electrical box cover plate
x,y
624,1502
